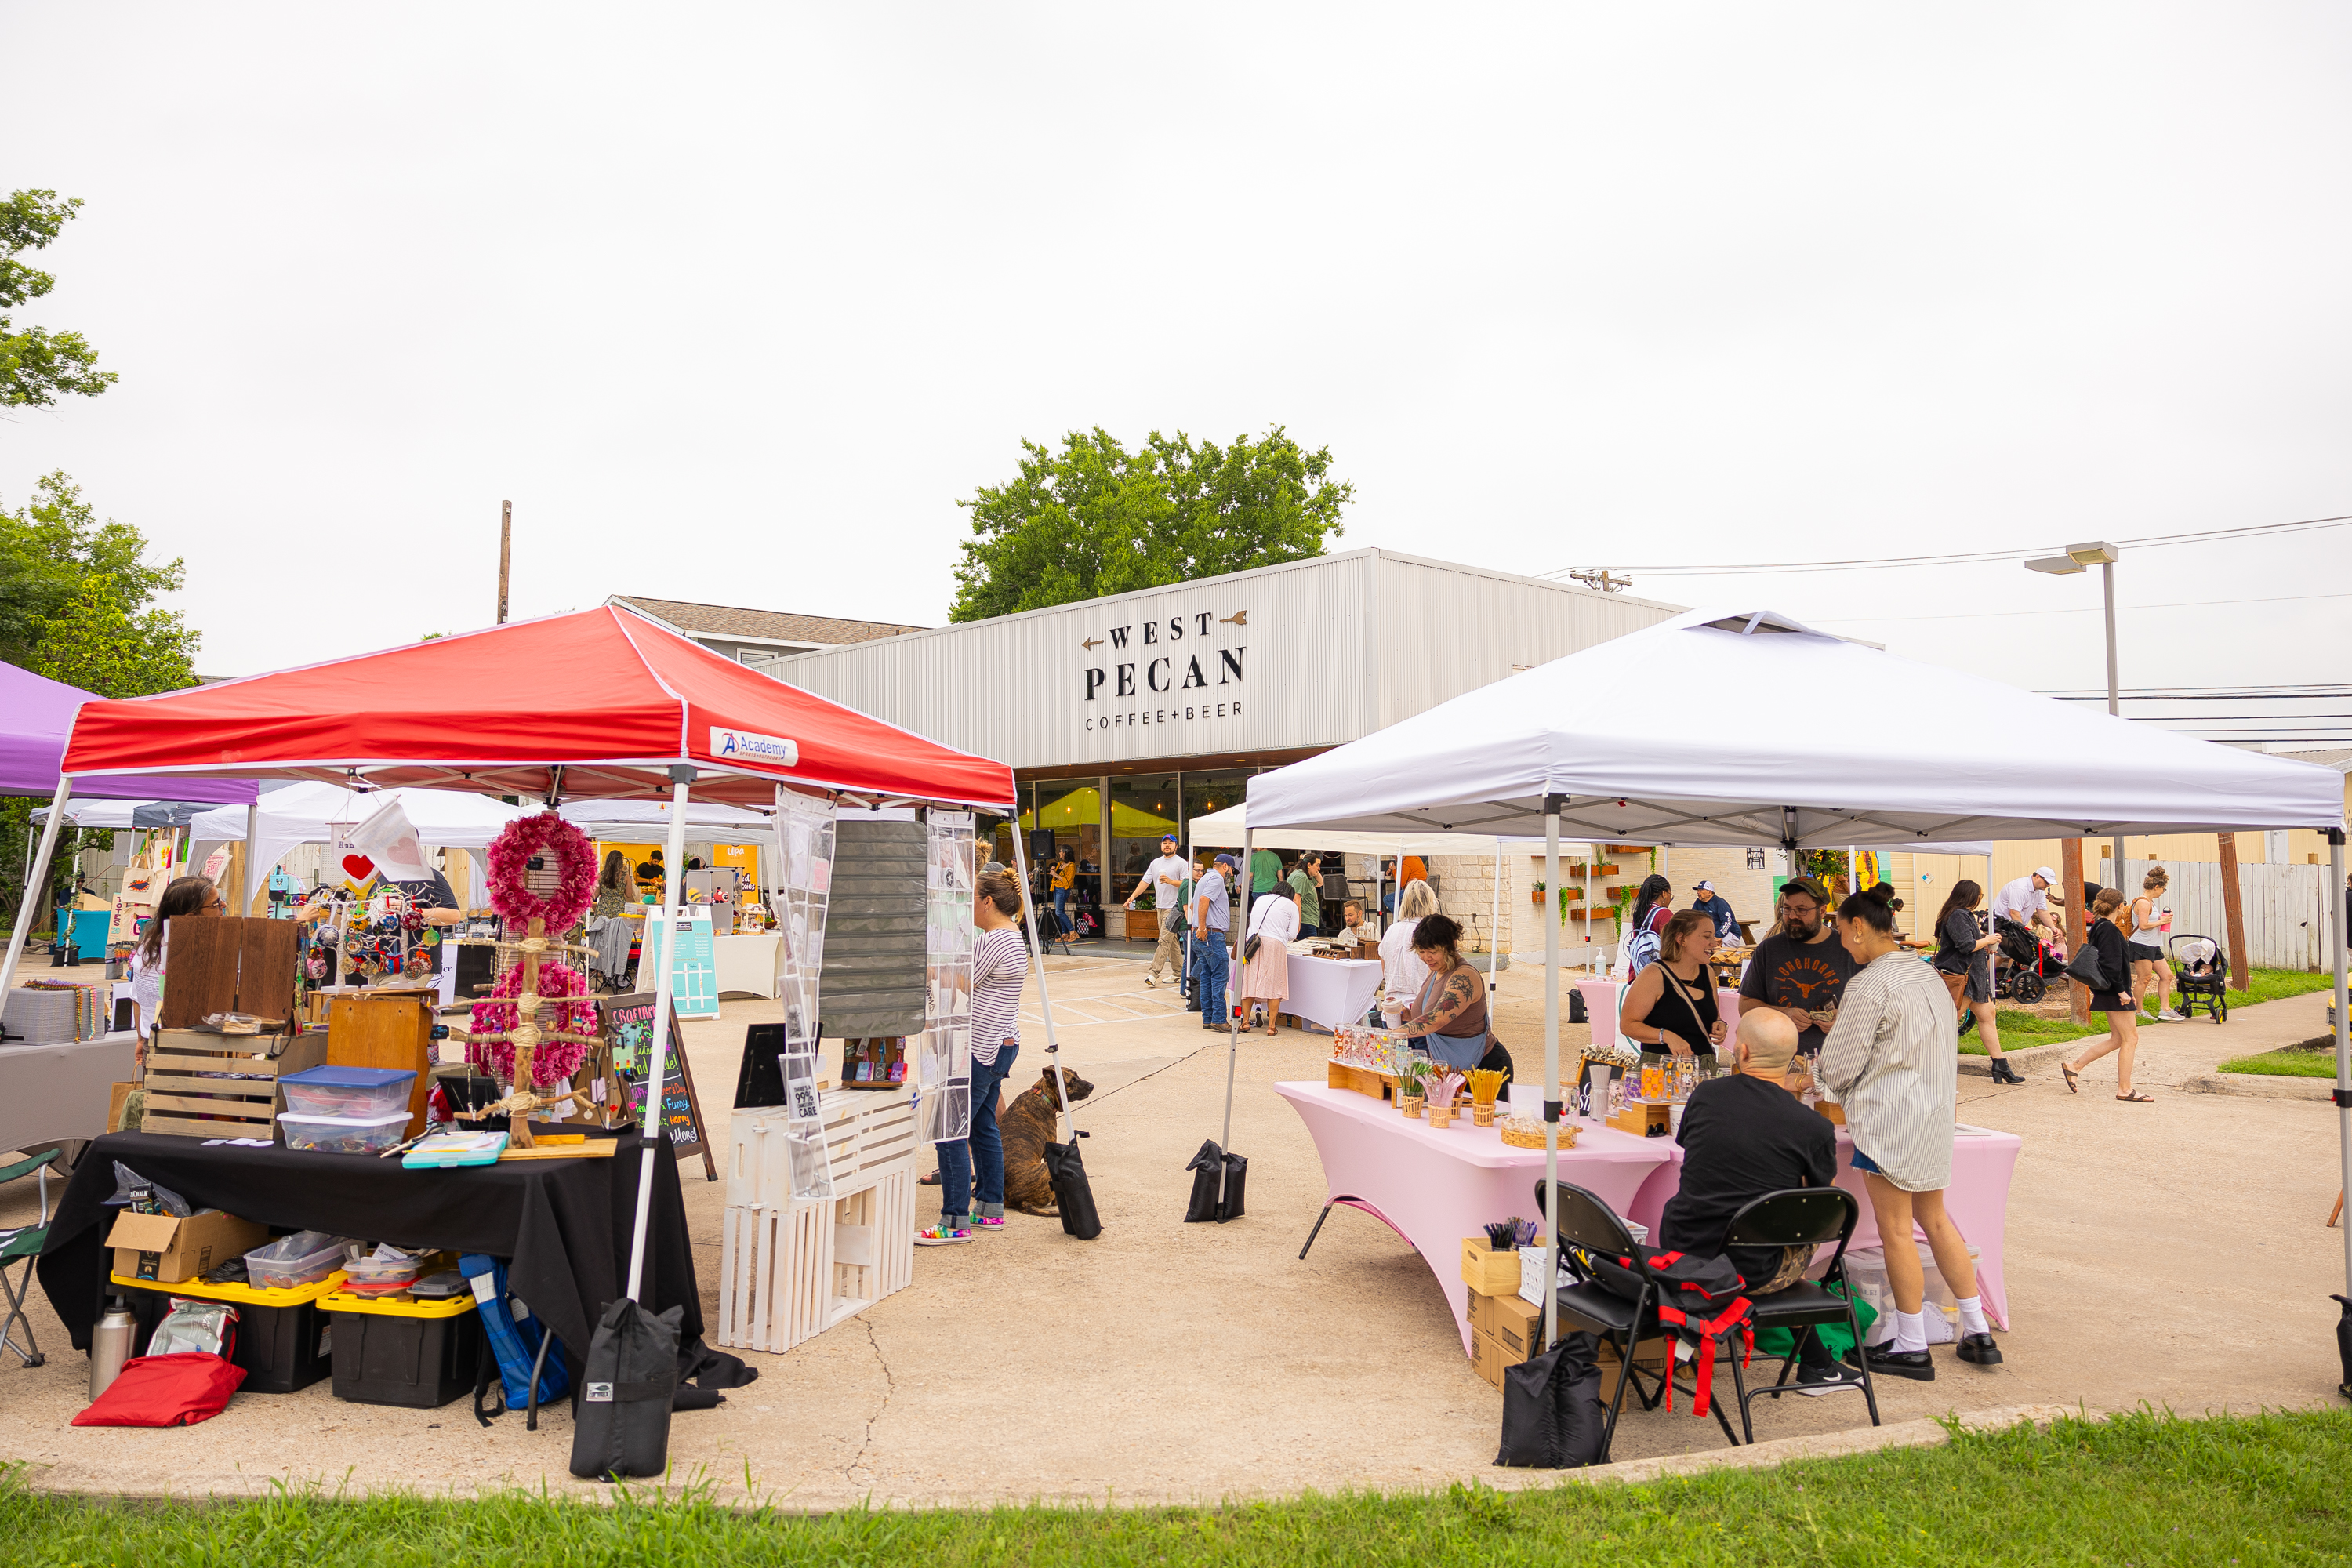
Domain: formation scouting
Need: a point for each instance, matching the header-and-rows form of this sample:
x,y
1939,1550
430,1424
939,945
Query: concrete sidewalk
x,y
1173,1362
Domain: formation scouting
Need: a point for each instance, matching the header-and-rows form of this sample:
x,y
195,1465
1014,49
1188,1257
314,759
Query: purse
x,y
1249,946
2084,966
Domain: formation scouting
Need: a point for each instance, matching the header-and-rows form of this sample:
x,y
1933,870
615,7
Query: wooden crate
x,y
1377,1086
790,1271
182,1100
1486,1271
861,1131
386,1029
225,965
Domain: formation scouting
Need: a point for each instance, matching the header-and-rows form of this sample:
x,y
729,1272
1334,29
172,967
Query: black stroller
x,y
2201,971
2024,980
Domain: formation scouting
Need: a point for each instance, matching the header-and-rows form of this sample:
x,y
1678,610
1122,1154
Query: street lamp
x,y
2078,557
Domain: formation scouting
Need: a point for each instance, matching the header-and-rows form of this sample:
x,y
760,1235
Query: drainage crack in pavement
x,y
890,1390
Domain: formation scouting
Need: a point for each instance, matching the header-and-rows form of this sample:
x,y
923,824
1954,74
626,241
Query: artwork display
x,y
804,835
942,1058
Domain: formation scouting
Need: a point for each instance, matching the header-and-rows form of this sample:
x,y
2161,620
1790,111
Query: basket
x,y
1482,1115
1526,1133
1411,1104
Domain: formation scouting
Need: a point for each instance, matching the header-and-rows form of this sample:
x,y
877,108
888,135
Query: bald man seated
x,y
1743,1135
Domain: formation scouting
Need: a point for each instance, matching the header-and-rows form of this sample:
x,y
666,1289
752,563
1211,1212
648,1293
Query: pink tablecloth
x,y
1435,1188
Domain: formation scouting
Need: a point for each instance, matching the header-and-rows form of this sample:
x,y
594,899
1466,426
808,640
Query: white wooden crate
x,y
790,1268
790,1271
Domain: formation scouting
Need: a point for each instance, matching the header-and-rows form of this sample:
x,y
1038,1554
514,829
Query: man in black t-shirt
x,y
1801,970
1744,1135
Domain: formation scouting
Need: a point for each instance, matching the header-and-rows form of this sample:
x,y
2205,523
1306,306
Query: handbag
x,y
1249,946
2084,966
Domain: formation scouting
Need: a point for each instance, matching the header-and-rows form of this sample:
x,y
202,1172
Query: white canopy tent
x,y
308,812
1830,743
635,819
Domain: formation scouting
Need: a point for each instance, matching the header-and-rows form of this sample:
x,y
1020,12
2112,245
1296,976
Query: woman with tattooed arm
x,y
1451,1010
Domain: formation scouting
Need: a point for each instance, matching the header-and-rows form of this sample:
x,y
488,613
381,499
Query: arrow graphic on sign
x,y
1090,644
1238,619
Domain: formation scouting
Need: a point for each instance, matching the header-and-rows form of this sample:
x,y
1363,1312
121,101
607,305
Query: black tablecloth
x,y
563,1225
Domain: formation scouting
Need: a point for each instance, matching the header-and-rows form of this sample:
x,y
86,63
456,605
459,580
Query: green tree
x,y
1095,518
76,599
36,364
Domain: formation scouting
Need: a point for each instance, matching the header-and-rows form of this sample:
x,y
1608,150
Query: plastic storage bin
x,y
292,1261
348,1091
344,1135
1866,1272
418,1354
282,1336
383,1273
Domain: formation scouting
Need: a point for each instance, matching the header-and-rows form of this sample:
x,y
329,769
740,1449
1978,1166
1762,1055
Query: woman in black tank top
x,y
1671,1001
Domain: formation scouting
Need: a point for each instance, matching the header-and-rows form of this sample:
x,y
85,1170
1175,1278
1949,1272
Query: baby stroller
x,y
2023,980
2202,970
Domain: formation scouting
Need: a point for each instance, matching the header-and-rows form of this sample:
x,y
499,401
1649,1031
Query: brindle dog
x,y
1028,1126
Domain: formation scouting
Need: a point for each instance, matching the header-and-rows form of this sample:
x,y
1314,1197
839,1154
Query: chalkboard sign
x,y
629,1025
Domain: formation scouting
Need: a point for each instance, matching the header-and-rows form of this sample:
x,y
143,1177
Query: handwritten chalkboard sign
x,y
628,1026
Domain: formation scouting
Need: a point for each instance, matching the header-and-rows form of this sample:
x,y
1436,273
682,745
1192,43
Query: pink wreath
x,y
553,1061
510,857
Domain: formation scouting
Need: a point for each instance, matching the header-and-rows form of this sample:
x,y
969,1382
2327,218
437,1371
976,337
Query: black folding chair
x,y
1800,1216
1580,1220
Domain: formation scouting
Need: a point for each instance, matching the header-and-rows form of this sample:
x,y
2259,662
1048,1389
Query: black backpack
x,y
1703,1299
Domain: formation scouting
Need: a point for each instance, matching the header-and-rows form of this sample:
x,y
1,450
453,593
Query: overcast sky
x,y
733,305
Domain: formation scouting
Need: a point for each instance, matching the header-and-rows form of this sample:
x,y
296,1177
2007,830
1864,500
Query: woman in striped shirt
x,y
1000,967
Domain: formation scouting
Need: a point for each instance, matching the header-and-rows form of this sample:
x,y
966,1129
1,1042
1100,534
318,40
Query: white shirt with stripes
x,y
1000,967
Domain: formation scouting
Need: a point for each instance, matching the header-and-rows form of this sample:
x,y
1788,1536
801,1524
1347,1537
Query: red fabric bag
x,y
177,1389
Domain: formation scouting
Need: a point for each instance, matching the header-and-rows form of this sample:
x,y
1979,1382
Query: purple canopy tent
x,y
36,714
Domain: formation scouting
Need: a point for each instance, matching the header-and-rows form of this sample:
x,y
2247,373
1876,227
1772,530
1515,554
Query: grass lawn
x,y
2288,1063
2144,1490
2019,1030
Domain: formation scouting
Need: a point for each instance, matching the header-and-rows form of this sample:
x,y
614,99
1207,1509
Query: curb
x,y
2048,1055
2258,1086
1773,1452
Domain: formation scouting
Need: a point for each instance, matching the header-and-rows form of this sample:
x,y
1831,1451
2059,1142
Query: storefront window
x,y
1142,808
1071,810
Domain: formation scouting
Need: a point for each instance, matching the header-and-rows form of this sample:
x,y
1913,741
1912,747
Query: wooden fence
x,y
2291,911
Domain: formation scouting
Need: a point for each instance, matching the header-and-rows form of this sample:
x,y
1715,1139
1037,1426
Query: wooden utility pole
x,y
2070,872
2233,914
506,554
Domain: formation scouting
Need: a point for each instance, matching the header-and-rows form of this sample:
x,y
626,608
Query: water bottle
x,y
109,1345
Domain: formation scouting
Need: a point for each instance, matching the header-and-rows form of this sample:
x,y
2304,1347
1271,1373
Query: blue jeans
x,y
984,1149
1062,911
1214,962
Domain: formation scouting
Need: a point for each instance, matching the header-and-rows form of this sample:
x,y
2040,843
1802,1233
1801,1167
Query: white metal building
x,y
1127,715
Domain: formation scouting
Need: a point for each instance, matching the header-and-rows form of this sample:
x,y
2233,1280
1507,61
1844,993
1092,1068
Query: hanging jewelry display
x,y
943,1058
804,887
507,1035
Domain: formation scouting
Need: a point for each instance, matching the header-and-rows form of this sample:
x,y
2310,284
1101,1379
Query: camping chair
x,y
1800,1216
2201,970
1587,1307
22,1246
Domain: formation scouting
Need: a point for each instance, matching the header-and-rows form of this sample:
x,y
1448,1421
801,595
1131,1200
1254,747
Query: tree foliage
x,y
76,599
36,364
1095,518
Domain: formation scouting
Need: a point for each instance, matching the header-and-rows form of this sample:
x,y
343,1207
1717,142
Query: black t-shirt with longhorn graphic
x,y
1811,975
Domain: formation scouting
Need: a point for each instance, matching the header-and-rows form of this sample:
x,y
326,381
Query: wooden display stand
x,y
1644,1118
790,1268
225,965
386,1029
1379,1086
526,1037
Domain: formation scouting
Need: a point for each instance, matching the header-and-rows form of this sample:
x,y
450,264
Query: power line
x,y
2252,688
2072,610
1882,563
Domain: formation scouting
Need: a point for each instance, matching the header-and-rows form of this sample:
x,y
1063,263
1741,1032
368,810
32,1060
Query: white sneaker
x,y
1149,981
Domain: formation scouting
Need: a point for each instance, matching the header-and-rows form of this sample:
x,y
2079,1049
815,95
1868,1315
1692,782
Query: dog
x,y
1028,1125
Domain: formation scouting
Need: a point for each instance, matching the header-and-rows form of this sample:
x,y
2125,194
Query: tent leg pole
x,y
1494,948
40,864
1551,1079
649,1126
1037,955
2343,1054
1233,1023
245,867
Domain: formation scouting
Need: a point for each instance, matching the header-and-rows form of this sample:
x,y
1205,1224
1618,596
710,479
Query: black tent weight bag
x,y
1552,1415
1205,1204
1072,1194
622,1426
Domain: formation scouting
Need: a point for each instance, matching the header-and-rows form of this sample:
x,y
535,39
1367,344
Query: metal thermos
x,y
109,1345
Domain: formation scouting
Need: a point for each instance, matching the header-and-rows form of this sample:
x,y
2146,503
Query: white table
x,y
1332,991
746,964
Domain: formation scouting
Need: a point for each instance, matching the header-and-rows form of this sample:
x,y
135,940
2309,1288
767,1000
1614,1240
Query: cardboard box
x,y
1650,1356
167,1250
1482,1312
1517,1327
1486,1271
1487,1358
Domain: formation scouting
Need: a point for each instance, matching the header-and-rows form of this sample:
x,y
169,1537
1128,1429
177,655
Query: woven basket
x,y
1411,1104
1522,1134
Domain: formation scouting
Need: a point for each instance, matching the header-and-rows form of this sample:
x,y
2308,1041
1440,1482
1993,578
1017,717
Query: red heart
x,y
359,867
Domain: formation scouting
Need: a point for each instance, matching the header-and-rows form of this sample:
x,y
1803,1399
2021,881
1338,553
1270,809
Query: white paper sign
x,y
387,839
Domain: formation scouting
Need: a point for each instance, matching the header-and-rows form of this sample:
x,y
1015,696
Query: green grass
x,y
2020,1030
2292,1062
2139,1489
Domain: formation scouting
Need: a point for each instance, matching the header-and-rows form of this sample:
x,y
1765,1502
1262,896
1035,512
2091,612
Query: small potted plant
x,y
1412,1074
1536,898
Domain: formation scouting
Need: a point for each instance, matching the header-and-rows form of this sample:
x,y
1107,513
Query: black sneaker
x,y
1980,1348
1916,1365
1815,1381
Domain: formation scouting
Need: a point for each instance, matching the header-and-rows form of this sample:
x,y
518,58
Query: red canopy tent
x,y
600,704
595,705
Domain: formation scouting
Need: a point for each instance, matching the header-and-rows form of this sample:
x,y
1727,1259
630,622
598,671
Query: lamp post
x,y
2103,556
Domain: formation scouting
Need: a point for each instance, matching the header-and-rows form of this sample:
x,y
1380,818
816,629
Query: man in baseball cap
x,y
1705,900
1165,879
2027,899
1211,918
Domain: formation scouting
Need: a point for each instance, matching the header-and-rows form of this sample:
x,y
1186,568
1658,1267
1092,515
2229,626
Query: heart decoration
x,y
359,867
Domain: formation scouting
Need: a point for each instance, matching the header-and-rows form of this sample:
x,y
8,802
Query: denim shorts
x,y
1863,1162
